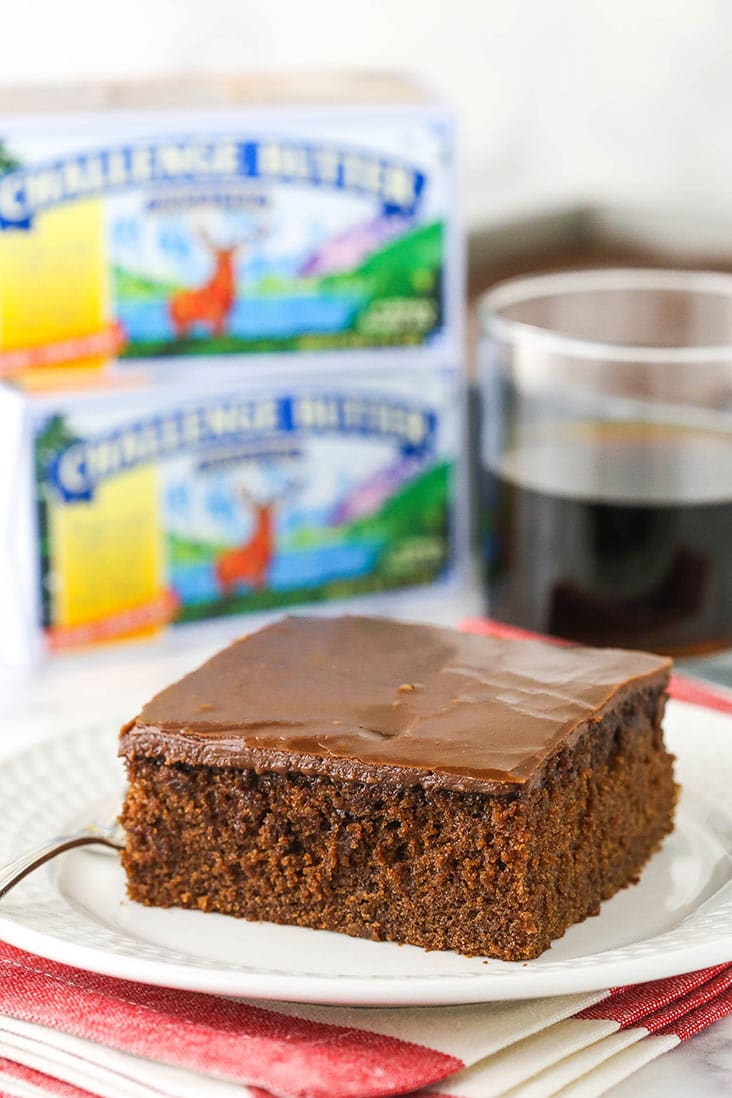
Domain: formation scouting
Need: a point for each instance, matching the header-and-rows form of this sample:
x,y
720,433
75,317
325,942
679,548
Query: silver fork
x,y
108,836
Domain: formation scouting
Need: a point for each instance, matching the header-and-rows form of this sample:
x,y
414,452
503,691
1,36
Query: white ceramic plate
x,y
74,910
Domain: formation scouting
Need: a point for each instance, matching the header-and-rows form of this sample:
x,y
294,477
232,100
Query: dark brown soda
x,y
613,534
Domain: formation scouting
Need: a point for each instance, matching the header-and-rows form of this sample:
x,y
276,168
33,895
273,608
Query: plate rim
x,y
374,989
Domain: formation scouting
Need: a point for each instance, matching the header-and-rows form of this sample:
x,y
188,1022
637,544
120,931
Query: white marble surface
x,y
700,1068
110,686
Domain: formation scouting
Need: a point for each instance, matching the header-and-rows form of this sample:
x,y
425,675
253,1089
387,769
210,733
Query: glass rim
x,y
523,288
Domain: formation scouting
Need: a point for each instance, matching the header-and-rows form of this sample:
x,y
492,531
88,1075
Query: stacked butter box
x,y
230,352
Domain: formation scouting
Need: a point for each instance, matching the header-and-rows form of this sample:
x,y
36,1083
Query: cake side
x,y
497,873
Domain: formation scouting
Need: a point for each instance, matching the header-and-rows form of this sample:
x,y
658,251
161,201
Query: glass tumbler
x,y
605,484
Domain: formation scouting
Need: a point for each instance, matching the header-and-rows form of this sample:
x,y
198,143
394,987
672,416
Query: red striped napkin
x,y
68,1032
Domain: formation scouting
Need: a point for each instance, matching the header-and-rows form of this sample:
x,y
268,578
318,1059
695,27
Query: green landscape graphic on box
x,y
404,543
392,295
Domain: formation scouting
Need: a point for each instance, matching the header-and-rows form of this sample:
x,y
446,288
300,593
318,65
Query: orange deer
x,y
211,303
249,563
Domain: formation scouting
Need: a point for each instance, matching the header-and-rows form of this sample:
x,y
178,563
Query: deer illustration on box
x,y
249,564
211,303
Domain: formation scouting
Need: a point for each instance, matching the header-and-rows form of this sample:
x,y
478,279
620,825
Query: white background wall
x,y
596,99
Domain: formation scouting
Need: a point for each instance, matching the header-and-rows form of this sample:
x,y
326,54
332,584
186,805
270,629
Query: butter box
x,y
132,505
220,221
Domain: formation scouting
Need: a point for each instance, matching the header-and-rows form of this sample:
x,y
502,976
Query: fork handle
x,y
15,871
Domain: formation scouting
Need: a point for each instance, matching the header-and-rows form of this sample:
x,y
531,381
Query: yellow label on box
x,y
108,554
53,280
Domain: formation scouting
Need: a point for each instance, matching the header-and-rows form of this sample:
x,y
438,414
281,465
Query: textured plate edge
x,y
376,990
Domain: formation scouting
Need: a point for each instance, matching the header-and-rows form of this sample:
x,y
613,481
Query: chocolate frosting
x,y
375,700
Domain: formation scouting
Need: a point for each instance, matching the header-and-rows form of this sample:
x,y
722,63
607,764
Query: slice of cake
x,y
400,782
